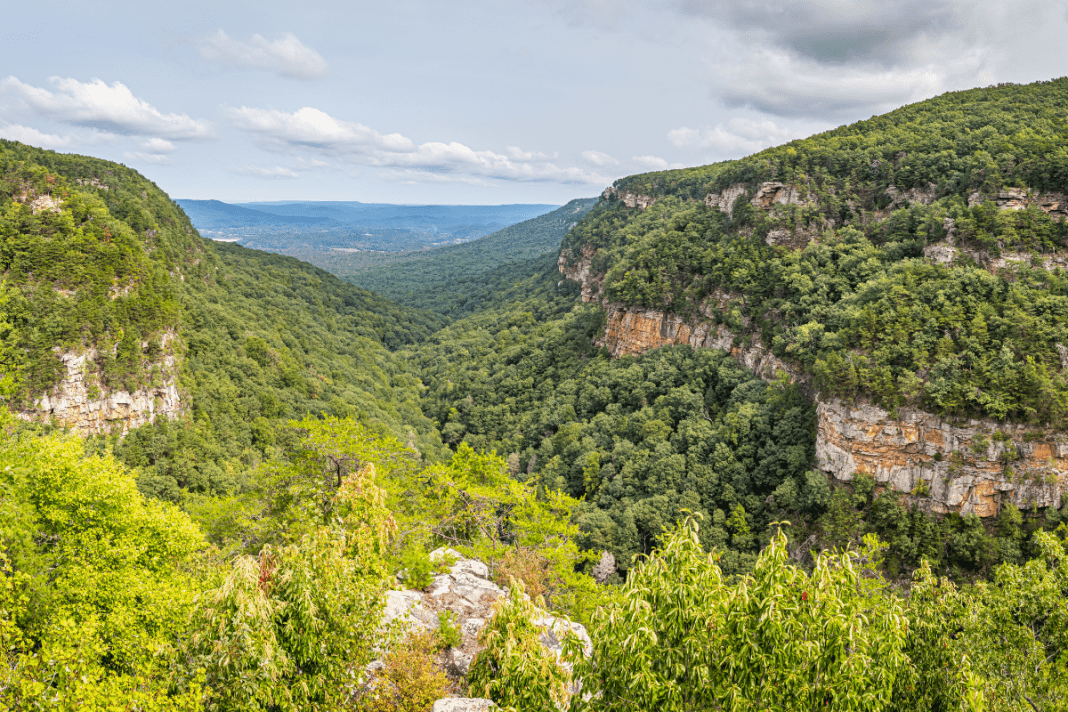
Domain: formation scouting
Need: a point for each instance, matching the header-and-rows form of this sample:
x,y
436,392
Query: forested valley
x,y
239,552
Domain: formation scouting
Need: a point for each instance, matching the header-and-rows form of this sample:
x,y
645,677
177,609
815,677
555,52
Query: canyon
x,y
941,465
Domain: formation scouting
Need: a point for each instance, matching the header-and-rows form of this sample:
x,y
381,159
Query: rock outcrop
x,y
974,467
466,594
463,704
923,196
580,271
630,199
948,250
633,331
1055,204
767,196
80,403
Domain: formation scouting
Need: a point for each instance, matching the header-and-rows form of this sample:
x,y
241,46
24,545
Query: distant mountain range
x,y
215,215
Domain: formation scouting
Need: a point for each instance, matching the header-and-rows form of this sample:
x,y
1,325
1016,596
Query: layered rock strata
x,y
973,467
767,196
976,467
78,401
633,331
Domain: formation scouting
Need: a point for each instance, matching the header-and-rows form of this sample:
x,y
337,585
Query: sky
x,y
482,101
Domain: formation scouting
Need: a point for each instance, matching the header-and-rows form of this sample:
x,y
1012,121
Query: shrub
x,y
410,681
514,669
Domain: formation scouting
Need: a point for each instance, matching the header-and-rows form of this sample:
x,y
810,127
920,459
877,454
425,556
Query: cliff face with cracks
x,y
972,467
79,401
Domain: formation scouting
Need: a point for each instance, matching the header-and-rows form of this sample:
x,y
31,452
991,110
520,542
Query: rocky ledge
x,y
80,403
974,467
468,594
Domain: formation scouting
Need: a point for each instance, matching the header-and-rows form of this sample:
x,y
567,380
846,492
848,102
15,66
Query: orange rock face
x,y
974,467
635,331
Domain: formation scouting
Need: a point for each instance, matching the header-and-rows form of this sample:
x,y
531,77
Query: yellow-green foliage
x,y
291,627
472,504
779,639
514,669
100,586
411,680
1006,638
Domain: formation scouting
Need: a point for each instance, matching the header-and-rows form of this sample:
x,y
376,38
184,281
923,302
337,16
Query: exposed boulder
x,y
467,595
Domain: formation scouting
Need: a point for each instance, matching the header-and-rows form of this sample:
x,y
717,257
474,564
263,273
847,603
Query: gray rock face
x,y
467,595
80,402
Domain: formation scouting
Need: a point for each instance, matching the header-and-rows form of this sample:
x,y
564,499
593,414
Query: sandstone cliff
x,y
79,402
975,467
972,467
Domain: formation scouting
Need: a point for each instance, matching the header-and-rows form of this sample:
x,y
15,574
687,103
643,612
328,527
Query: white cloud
x,y
260,172
736,138
784,83
286,56
315,130
146,157
599,159
157,145
33,137
106,108
652,163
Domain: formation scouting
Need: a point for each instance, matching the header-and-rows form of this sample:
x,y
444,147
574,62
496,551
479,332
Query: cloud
x,y
737,137
315,130
157,145
841,60
599,159
145,157
33,137
840,31
784,84
106,108
286,56
270,173
653,163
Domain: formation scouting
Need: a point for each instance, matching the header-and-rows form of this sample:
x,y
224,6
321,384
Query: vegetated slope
x,y
87,250
461,279
98,260
269,339
823,261
906,258
639,438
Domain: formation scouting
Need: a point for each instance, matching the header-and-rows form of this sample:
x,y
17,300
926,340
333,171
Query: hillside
x,y
788,435
925,327
460,279
124,320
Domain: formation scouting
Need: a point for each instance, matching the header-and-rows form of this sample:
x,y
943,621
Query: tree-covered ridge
x,y
271,338
88,249
861,307
457,280
104,260
973,140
